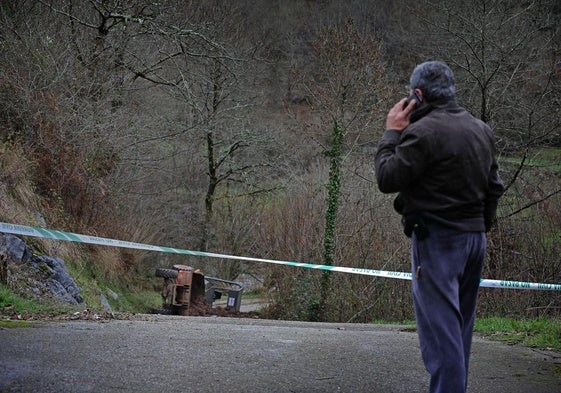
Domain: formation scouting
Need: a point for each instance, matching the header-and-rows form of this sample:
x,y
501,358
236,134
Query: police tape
x,y
24,230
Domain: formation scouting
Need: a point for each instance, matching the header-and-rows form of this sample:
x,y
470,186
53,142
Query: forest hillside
x,y
250,127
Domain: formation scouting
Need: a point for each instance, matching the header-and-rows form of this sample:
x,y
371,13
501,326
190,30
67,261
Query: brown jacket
x,y
443,165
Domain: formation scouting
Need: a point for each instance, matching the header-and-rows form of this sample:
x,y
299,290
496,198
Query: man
x,y
440,159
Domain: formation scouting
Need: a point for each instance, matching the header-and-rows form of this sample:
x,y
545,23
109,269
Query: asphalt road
x,y
210,354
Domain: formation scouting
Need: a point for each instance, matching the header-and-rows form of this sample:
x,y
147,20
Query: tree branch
x,y
533,203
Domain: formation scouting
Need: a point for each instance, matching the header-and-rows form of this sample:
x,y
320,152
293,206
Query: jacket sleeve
x,y
401,157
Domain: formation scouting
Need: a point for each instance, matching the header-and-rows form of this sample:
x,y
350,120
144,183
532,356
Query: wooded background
x,y
249,128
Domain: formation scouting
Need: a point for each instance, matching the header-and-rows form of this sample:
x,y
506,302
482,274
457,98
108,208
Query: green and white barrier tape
x,y
16,229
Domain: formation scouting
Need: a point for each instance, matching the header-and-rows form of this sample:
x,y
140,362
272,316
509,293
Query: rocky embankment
x,y
47,280
33,276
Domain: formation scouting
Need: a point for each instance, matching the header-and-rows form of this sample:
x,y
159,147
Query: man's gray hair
x,y
435,79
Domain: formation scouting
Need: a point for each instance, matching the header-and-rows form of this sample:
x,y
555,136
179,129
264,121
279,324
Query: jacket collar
x,y
438,104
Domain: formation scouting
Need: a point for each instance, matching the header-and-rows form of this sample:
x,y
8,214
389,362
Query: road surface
x,y
160,354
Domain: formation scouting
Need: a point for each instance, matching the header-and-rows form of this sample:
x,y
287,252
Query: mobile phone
x,y
414,97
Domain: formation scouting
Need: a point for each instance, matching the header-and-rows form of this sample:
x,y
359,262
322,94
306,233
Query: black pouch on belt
x,y
415,223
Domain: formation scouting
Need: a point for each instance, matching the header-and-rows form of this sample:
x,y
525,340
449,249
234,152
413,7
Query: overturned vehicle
x,y
187,291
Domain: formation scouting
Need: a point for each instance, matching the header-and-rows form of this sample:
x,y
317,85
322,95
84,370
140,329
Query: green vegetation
x,y
386,322
136,300
130,299
11,303
547,158
543,333
539,333
126,292
8,323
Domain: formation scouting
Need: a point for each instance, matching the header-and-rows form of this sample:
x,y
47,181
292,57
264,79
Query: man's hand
x,y
398,116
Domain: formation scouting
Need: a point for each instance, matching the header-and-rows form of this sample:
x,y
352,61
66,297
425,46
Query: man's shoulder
x,y
449,114
451,118
428,123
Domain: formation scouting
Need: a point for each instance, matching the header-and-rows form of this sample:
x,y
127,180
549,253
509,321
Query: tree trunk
x,y
333,200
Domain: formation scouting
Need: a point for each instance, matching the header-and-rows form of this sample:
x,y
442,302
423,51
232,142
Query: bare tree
x,y
506,57
347,81
504,54
203,63
63,105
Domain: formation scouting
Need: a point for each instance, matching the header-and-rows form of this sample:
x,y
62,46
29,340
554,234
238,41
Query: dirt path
x,y
246,305
160,354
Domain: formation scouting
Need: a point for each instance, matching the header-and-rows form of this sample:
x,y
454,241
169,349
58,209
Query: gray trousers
x,y
446,268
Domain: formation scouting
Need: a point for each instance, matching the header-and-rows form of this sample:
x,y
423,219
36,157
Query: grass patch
x,y
386,322
138,301
536,333
252,295
8,324
134,292
547,158
12,304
